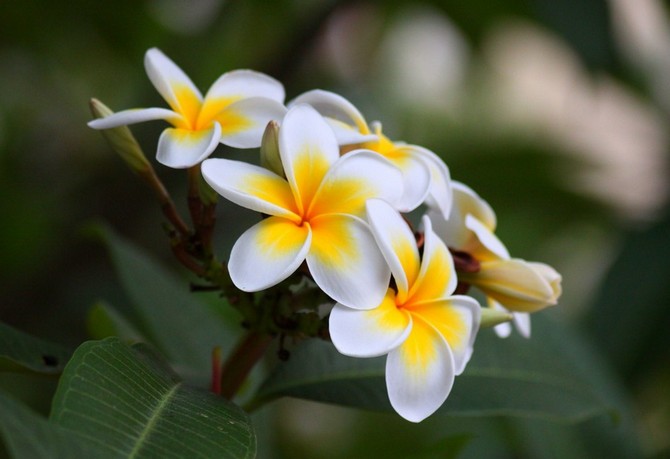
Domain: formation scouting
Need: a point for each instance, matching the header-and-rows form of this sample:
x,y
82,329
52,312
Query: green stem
x,y
244,357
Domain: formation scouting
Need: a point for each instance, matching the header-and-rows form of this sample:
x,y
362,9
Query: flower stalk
x,y
249,350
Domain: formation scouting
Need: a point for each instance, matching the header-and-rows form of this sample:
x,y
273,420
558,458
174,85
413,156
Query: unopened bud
x,y
121,140
518,285
492,317
270,158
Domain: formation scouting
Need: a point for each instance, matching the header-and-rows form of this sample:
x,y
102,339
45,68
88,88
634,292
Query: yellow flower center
x,y
199,116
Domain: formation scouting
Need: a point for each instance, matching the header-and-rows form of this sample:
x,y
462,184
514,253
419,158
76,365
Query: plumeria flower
x,y
234,111
509,283
425,175
314,213
427,333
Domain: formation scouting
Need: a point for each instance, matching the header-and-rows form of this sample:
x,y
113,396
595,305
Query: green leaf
x,y
184,328
26,434
539,377
128,401
20,351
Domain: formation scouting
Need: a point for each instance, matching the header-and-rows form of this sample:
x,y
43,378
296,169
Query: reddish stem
x,y
216,370
235,370
167,205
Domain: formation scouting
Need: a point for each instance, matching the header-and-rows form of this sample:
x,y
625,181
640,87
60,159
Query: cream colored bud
x,y
518,285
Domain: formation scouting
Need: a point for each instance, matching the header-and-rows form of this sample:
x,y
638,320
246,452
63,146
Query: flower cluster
x,y
332,190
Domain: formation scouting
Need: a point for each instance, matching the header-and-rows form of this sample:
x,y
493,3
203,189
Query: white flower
x,y
427,333
234,111
425,176
314,213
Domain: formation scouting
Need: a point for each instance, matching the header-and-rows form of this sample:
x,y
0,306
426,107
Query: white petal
x,y
457,319
504,329
333,106
440,193
242,84
181,148
267,253
522,323
469,202
249,119
487,239
396,242
132,116
346,262
308,148
437,277
416,174
453,230
420,373
369,333
352,180
172,83
347,134
250,186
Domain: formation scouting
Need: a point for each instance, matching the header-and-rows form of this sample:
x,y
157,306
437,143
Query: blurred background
x,y
555,111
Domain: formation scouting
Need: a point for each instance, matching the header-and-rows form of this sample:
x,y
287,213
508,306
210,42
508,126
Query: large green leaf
x,y
184,328
26,434
540,377
131,404
20,351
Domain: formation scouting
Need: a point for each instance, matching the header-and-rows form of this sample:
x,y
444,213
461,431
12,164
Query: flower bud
x,y
518,285
270,158
121,140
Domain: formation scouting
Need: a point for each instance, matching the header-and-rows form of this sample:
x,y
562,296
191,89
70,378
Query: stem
x,y
185,259
195,206
216,370
206,228
167,205
235,370
203,213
